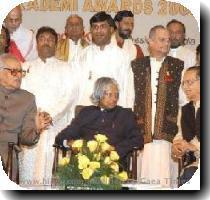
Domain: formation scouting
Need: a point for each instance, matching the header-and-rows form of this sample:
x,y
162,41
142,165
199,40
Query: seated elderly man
x,y
187,143
19,120
117,123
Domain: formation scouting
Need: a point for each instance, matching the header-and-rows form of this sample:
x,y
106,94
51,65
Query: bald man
x,y
23,37
74,42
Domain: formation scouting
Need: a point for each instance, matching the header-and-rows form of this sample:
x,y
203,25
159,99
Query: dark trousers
x,y
187,175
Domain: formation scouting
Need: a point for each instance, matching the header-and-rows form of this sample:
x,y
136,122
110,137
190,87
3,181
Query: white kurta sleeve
x,y
127,93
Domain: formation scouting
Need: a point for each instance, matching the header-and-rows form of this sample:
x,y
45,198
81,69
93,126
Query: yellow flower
x,y
64,161
123,176
105,180
94,165
97,156
77,144
92,145
105,147
107,160
114,155
100,138
115,166
83,161
87,173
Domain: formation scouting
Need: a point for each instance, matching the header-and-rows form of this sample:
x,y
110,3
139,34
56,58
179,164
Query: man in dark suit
x,y
157,80
187,142
117,123
19,120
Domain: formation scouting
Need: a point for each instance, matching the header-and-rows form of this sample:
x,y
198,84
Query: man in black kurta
x,y
187,141
118,124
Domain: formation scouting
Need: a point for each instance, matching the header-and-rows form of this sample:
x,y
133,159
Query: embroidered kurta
x,y
111,62
53,84
156,107
26,42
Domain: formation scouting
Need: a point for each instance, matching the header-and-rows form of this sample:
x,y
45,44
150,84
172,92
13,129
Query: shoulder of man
x,y
84,111
141,62
25,30
25,95
124,110
187,106
173,60
188,50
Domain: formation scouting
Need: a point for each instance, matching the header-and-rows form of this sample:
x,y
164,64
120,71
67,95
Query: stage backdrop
x,y
148,13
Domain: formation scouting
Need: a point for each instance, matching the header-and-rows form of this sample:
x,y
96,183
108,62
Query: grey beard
x,y
175,46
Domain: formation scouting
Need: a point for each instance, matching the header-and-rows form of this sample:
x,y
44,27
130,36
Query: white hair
x,y
100,87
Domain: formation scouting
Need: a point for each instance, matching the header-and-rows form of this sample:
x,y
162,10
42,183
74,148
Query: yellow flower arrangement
x,y
94,165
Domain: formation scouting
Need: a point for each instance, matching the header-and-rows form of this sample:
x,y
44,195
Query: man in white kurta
x,y
52,82
104,59
122,36
72,43
179,50
23,37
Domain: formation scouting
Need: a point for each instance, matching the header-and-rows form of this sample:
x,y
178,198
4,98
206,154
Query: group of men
x,y
61,72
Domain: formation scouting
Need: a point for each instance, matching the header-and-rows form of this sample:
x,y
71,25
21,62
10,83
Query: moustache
x,y
46,46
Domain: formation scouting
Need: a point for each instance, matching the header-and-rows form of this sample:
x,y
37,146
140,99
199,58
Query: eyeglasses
x,y
189,82
15,72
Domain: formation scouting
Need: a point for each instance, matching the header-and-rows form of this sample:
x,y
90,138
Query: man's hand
x,y
178,149
43,121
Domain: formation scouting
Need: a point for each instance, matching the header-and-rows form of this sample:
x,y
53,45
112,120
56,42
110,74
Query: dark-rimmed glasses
x,y
15,72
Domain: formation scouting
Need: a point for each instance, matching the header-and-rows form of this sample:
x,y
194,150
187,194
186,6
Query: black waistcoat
x,y
190,123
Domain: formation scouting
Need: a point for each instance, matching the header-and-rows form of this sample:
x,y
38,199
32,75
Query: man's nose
x,y
14,22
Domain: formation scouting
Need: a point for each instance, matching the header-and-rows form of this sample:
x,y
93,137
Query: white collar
x,y
48,60
196,104
74,43
96,47
153,59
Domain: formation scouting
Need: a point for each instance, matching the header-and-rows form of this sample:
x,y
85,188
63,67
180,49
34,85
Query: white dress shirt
x,y
155,68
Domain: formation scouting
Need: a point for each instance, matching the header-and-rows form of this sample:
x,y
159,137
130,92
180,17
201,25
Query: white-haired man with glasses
x,y
19,120
187,141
